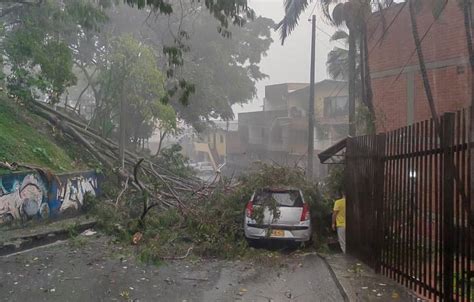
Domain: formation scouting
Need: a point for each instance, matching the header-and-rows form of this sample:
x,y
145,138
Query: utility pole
x,y
309,168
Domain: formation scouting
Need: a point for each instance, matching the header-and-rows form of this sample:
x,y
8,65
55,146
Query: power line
x,y
378,41
339,91
312,11
330,36
324,32
388,27
381,37
320,29
409,59
377,44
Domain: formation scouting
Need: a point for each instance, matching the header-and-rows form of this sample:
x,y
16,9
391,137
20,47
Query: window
x,y
283,198
335,106
277,134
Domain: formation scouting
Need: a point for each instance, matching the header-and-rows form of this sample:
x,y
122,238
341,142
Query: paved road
x,y
101,271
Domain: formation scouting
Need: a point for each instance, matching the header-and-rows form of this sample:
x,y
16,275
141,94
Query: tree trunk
x,y
122,134
367,79
421,61
79,98
162,137
428,92
352,79
363,92
468,29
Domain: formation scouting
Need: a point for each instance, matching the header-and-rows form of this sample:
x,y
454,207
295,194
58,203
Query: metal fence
x,y
409,208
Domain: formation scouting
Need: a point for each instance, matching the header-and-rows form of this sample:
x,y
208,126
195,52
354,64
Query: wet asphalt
x,y
101,271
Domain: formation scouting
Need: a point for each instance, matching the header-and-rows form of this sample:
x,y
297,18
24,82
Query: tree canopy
x,y
37,48
185,60
132,82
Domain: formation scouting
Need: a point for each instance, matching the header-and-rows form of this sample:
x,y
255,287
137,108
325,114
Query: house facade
x,y
399,95
212,144
279,133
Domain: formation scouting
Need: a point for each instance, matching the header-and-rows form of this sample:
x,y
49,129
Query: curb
x,y
341,288
21,243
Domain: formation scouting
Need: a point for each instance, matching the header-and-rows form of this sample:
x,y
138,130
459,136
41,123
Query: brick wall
x,y
446,56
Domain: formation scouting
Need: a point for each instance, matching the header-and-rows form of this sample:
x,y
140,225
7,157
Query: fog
x,y
290,62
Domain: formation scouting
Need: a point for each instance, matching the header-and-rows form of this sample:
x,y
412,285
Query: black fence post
x,y
447,141
379,195
348,189
470,214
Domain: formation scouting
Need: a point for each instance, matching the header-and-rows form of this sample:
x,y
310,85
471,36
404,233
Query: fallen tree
x,y
162,187
205,218
212,226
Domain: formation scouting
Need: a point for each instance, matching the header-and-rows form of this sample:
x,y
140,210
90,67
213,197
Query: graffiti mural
x,y
71,195
22,197
28,195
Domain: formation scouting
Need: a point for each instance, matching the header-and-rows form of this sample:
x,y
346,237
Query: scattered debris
x,y
125,294
196,279
179,258
88,232
137,237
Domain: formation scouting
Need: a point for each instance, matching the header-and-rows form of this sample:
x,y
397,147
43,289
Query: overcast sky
x,y
290,62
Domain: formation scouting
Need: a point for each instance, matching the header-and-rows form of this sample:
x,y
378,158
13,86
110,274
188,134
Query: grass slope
x,y
27,138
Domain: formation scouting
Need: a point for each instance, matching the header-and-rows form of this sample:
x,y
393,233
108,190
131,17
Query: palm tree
x,y
346,13
353,14
337,63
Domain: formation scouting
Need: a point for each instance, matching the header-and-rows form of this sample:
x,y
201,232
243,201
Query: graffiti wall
x,y
29,195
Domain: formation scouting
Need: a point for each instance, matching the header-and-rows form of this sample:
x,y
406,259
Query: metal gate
x,y
409,208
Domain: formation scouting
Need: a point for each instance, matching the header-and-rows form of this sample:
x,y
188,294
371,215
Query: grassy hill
x,y
26,138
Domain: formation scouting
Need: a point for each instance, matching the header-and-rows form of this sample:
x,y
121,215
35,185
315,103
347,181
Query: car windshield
x,y
283,198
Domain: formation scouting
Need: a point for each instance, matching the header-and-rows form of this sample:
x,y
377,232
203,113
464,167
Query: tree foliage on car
x,y
215,228
269,204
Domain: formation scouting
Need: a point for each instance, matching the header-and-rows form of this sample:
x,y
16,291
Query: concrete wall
x,y
27,195
276,96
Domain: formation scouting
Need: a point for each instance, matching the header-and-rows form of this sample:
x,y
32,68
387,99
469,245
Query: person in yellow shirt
x,y
339,221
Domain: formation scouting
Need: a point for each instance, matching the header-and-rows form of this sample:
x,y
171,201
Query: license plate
x,y
278,233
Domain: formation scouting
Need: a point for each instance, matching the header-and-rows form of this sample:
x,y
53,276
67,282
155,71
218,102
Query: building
x,y
211,144
399,95
279,133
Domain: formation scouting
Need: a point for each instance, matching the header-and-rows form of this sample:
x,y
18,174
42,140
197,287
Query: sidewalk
x,y
34,234
362,284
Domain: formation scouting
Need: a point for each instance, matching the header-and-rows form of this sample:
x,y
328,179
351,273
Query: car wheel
x,y
251,242
307,244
